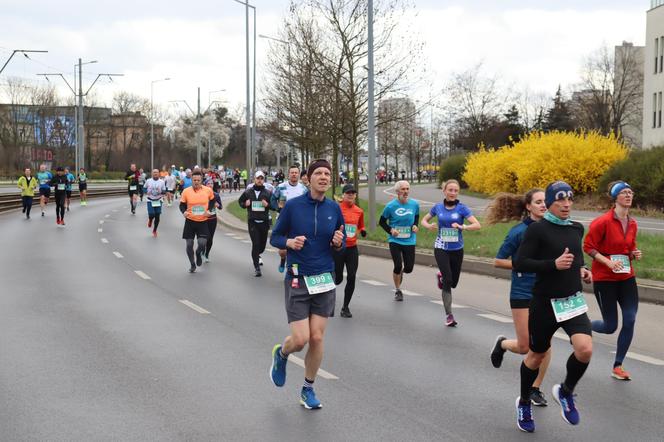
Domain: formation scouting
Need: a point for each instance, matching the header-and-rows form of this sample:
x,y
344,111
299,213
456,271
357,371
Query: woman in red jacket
x,y
611,242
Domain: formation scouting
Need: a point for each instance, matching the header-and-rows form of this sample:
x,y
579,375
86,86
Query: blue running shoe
x,y
524,416
278,368
282,269
569,411
309,400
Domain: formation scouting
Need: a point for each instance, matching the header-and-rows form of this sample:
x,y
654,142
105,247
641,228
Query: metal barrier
x,y
13,201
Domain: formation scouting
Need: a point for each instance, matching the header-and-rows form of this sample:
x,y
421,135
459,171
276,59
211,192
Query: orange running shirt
x,y
197,202
354,222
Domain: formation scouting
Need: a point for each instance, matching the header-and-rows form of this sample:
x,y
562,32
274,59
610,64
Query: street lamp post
x,y
152,120
248,133
371,134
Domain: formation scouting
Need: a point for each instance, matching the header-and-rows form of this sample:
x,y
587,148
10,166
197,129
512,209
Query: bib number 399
x,y
319,284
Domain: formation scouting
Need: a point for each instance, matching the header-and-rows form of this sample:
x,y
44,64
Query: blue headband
x,y
617,188
557,191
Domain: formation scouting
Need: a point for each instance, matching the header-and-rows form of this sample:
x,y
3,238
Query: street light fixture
x,y
152,120
25,53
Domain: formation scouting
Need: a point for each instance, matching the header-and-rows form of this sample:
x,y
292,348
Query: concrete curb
x,y
649,291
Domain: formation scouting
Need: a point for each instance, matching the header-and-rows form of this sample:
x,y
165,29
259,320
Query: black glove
x,y
363,233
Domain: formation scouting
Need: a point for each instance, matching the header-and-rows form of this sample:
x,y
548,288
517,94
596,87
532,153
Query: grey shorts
x,y
300,304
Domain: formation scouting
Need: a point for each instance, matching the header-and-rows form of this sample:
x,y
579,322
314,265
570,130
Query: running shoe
x,y
524,416
42,213
537,397
62,222
154,233
566,402
149,223
439,279
257,272
497,352
309,400
57,221
260,261
282,265
398,295
207,259
278,368
192,269
620,373
450,322
345,313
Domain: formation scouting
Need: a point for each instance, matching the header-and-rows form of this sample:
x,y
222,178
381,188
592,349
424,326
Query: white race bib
x,y
155,203
257,206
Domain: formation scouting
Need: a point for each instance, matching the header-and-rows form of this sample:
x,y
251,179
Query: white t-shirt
x,y
290,192
170,182
155,188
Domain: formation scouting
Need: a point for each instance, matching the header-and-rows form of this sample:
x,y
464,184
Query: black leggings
x,y
403,258
449,263
258,233
350,258
212,227
60,205
27,205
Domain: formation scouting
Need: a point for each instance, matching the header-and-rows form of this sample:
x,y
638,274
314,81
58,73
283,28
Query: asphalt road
x,y
430,194
94,350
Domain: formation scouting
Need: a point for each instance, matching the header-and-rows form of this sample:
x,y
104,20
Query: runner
x,y
132,176
552,249
349,257
284,192
310,228
611,242
195,205
170,182
245,177
155,188
257,201
236,180
70,181
529,209
304,179
400,219
59,182
141,183
448,248
83,187
186,179
28,184
212,222
44,177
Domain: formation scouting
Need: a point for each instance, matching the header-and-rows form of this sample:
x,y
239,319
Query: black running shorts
x,y
542,324
195,229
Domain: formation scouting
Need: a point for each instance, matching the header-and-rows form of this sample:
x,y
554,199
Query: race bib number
x,y
448,234
82,179
132,187
570,307
404,232
319,284
156,203
42,182
351,230
62,186
257,206
626,265
169,190
198,210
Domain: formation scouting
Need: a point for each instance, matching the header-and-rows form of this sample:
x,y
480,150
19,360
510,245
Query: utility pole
x,y
198,129
249,133
371,132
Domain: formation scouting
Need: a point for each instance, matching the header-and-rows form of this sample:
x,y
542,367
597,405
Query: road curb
x,y
648,291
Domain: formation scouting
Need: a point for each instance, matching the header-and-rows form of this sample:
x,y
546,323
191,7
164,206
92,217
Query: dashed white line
x,y
115,210
100,230
643,358
101,221
498,318
322,373
104,240
246,242
142,274
409,293
118,255
107,215
372,282
195,307
453,304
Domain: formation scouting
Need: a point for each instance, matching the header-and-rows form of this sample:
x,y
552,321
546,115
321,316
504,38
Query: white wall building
x,y
653,82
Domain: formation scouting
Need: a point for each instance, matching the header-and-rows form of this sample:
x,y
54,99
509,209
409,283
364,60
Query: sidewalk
x,y
649,290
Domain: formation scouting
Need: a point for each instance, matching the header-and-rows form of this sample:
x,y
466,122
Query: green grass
x,y
486,242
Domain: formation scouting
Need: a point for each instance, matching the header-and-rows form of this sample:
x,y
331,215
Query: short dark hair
x,y
294,166
197,172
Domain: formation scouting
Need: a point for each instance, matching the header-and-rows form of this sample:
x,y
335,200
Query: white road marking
x,y
643,358
194,307
372,282
229,234
100,230
453,304
322,373
118,255
107,215
104,240
115,210
246,242
101,221
142,274
498,318
409,293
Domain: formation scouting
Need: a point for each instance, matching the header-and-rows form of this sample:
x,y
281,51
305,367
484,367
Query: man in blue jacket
x,y
309,227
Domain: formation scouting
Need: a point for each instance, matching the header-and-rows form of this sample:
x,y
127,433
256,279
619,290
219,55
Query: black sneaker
x,y
199,259
537,397
42,213
398,296
497,352
192,269
257,272
345,313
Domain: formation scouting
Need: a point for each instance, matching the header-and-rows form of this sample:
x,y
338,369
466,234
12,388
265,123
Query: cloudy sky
x,y
201,42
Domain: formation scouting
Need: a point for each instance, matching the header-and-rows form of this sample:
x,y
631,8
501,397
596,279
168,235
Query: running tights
x,y
609,295
449,264
156,217
212,227
60,206
190,249
348,257
27,205
258,233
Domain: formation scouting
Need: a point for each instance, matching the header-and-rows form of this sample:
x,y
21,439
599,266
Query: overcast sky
x,y
201,42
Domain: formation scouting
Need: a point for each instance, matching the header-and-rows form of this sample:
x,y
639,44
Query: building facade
x,y
653,84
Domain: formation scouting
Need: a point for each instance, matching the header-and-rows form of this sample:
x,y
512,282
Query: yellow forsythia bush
x,y
539,158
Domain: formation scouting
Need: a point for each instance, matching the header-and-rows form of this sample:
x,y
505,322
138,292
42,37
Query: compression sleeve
x,y
417,220
183,207
384,225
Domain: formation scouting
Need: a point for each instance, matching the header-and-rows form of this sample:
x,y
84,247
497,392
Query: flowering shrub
x,y
580,159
